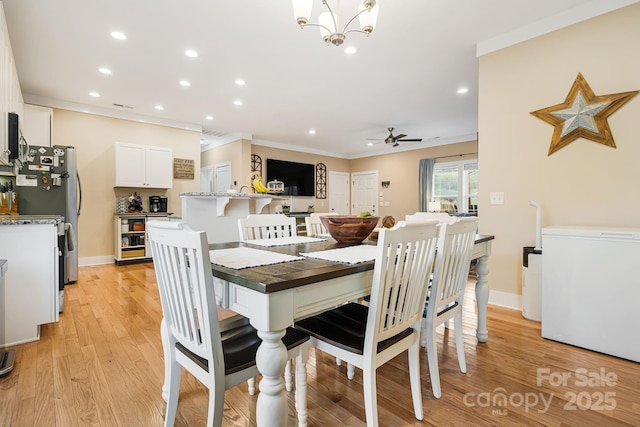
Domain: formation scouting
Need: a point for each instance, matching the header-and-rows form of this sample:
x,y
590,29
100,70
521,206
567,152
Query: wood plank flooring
x,y
101,365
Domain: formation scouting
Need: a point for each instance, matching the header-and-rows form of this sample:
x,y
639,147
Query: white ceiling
x,y
405,75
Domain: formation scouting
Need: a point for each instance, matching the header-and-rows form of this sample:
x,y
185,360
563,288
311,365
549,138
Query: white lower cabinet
x,y
32,281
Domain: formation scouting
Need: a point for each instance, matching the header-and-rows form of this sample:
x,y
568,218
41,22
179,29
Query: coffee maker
x,y
157,203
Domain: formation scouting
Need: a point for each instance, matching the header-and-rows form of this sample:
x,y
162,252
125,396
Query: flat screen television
x,y
298,178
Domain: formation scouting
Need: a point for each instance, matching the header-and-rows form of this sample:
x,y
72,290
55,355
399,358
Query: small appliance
x,y
157,203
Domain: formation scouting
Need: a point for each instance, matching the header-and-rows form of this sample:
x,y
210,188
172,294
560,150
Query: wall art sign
x,y
183,168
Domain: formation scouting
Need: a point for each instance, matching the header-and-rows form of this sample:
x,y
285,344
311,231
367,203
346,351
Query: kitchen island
x,y
32,285
218,213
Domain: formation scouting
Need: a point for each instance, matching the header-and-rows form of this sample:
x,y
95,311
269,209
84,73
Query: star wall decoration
x,y
583,114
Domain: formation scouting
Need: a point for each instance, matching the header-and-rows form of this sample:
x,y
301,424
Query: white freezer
x,y
591,288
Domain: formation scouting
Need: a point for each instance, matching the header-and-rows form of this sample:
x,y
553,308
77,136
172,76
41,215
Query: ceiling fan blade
x,y
402,135
375,139
409,140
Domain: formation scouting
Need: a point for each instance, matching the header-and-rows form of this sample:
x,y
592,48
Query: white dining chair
x,y
446,293
314,225
443,217
219,354
369,336
267,226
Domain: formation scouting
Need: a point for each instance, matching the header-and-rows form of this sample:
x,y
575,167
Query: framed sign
x,y
183,168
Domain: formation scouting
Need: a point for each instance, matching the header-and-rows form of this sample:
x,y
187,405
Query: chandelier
x,y
329,21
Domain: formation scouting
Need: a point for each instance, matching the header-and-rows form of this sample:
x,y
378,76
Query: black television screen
x,y
298,178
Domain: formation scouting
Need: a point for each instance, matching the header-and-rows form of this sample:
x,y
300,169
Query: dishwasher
x,y
591,289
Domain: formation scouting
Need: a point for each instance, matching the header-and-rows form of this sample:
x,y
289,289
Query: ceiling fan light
x,y
302,11
368,18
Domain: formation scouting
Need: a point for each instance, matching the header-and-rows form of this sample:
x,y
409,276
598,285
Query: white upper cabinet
x,y
37,125
143,166
10,95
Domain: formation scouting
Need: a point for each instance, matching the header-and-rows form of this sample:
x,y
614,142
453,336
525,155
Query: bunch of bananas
x,y
258,185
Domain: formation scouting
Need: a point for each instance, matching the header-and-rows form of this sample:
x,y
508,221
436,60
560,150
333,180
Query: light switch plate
x,y
496,198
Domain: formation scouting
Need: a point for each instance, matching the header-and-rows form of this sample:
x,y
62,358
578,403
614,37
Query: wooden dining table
x,y
274,296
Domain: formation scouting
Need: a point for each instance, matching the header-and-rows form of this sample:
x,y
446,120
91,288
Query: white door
x,y
222,174
206,179
339,193
364,192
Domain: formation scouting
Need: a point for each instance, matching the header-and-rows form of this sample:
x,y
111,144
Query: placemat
x,y
282,241
239,258
348,255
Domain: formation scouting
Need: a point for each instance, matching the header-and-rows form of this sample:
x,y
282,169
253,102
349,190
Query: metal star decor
x,y
583,114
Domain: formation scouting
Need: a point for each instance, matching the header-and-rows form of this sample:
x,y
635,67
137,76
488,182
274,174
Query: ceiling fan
x,y
393,140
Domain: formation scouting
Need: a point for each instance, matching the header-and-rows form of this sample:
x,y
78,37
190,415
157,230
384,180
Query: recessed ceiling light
x,y
118,35
159,107
369,144
463,90
209,117
240,82
237,102
312,131
191,53
350,50
105,70
94,94
184,83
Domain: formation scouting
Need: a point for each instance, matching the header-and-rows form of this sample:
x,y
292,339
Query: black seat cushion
x,y
240,343
344,327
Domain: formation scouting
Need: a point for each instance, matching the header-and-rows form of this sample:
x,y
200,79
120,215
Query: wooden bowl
x,y
349,228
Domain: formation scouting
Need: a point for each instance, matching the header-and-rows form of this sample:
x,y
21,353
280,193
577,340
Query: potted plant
x,y
310,209
285,208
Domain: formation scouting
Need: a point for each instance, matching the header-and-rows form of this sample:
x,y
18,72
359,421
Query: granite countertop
x,y
30,219
225,194
143,214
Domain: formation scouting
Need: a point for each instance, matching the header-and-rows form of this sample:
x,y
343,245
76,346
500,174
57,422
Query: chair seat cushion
x,y
344,327
240,343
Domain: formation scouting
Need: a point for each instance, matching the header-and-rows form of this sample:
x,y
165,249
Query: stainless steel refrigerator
x,y
48,184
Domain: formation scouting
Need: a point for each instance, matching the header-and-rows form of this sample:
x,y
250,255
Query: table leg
x,y
482,297
271,358
164,336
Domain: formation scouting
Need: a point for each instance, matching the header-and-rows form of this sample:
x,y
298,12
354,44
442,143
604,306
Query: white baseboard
x,y
95,260
504,299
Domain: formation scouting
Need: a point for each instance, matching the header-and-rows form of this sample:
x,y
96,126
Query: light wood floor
x,y
101,365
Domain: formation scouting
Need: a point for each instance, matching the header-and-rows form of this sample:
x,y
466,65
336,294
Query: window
x,y
455,186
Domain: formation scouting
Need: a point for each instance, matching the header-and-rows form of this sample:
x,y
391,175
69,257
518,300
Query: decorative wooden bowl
x,y
349,228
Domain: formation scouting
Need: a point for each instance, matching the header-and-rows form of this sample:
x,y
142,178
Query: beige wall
x,y
401,168
238,153
230,152
93,136
301,203
584,183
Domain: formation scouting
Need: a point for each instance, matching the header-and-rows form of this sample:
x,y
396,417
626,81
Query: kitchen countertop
x,y
143,214
30,219
225,194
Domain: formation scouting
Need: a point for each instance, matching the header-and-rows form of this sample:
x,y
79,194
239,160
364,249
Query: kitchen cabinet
x,y
37,125
130,231
143,166
32,281
10,94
